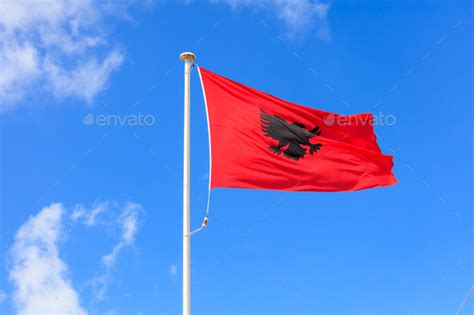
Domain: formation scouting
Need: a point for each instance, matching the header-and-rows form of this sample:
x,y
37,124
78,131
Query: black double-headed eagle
x,y
291,137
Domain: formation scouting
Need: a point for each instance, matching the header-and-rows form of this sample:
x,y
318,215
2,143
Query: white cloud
x,y
128,224
86,80
39,275
3,297
299,16
41,278
89,215
55,46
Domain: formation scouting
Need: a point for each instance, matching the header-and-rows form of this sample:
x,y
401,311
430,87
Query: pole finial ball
x,y
187,56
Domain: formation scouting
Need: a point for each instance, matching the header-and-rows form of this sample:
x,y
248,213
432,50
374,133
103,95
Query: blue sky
x,y
90,217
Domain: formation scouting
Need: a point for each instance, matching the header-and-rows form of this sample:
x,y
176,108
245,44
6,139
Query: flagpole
x,y
187,58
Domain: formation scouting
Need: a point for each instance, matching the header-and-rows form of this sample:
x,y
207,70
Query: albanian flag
x,y
262,142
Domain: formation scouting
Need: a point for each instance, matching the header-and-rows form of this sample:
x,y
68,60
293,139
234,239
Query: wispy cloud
x,y
299,16
89,216
129,225
127,222
38,273
57,47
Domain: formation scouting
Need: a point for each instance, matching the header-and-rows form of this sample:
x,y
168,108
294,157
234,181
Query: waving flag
x,y
262,142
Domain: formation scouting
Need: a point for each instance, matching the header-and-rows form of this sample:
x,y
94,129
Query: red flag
x,y
260,141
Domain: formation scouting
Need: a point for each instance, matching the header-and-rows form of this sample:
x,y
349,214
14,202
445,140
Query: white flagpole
x,y
188,59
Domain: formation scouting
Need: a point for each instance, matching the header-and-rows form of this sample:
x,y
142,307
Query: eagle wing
x,y
302,134
316,131
272,125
